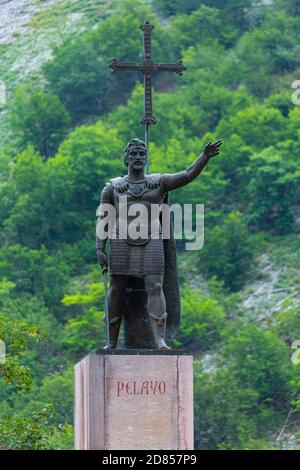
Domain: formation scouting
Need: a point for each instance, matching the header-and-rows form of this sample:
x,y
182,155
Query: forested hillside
x,y
63,129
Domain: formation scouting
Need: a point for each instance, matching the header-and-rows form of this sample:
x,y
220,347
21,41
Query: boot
x,y
114,328
158,325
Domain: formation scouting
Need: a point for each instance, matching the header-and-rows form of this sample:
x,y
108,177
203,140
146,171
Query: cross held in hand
x,y
147,67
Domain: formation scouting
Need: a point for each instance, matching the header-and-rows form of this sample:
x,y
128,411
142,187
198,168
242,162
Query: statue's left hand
x,y
212,149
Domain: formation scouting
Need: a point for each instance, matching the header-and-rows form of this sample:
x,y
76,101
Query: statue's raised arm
x,y
177,180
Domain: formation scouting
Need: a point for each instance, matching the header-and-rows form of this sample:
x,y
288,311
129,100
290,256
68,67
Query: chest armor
x,y
137,209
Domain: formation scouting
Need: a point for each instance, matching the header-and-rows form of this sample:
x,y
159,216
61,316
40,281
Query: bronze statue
x,y
144,287
143,270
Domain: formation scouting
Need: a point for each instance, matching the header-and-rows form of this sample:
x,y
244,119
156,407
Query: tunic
x,y
135,256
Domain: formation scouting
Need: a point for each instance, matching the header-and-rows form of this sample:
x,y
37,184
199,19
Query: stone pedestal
x,y
134,400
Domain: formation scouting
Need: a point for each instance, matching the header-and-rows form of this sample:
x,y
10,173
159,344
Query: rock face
x,y
134,401
29,31
16,14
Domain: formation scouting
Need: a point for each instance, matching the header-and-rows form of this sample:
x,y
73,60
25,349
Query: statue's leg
x,y
156,305
117,287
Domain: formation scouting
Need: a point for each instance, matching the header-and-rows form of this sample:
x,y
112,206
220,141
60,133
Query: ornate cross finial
x,y
147,67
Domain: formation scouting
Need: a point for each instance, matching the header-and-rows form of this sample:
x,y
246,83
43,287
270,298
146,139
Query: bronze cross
x,y
147,67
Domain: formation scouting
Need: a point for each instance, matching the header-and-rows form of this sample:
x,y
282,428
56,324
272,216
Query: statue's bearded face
x,y
137,157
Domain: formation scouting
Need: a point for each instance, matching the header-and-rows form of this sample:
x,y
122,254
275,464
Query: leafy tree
x,y
173,7
85,330
35,272
227,415
38,118
16,335
262,53
202,321
291,7
228,252
272,191
245,392
281,101
233,166
287,322
257,126
79,77
29,433
40,199
55,388
261,361
94,155
199,27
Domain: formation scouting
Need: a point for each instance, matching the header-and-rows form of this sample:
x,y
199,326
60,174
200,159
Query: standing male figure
x,y
140,257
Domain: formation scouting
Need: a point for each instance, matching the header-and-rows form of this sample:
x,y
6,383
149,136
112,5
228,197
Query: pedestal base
x,y
134,400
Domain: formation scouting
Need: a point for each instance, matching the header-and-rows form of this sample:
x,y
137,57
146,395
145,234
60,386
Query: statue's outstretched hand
x,y
212,149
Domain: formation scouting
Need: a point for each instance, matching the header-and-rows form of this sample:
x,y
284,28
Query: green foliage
x,y
201,26
239,403
236,16
260,361
39,119
94,155
34,271
287,321
257,126
85,330
228,252
202,321
76,75
172,7
55,389
40,192
29,433
227,416
272,189
291,7
263,52
16,336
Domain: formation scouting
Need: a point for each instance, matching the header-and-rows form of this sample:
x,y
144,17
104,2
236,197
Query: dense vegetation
x,y
70,125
